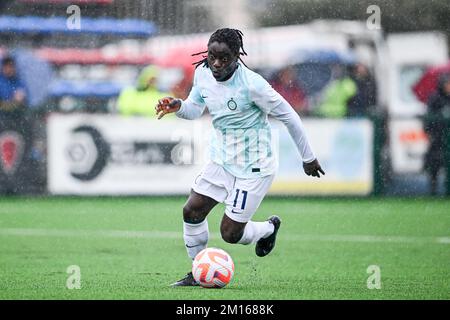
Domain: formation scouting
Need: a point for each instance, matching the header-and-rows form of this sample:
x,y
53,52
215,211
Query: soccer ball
x,y
213,268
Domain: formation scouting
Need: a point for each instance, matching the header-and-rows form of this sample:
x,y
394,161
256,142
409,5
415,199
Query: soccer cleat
x,y
187,281
265,245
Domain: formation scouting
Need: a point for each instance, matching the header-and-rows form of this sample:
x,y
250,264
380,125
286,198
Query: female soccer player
x,y
243,163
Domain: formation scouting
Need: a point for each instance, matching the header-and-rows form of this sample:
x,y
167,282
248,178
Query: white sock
x,y
256,230
195,237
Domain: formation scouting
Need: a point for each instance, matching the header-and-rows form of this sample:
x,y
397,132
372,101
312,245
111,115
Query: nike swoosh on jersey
x,y
232,210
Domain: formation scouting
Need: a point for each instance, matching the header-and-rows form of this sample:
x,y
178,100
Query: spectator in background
x,y
12,91
436,127
15,130
337,94
360,104
286,83
140,100
182,88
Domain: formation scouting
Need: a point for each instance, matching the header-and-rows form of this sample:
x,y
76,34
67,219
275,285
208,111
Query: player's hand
x,y
167,105
313,168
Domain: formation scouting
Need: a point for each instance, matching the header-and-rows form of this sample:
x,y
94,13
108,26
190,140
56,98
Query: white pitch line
x,y
369,239
90,233
444,240
31,232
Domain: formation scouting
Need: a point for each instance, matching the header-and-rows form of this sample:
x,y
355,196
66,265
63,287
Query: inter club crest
x,y
232,105
11,151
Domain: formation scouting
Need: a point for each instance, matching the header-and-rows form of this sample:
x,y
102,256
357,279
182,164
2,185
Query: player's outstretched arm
x,y
167,105
313,168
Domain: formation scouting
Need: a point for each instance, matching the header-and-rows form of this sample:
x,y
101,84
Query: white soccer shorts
x,y
242,197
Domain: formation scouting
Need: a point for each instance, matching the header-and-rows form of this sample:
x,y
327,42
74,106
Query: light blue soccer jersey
x,y
239,108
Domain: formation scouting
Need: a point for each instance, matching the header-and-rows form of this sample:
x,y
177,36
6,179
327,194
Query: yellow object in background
x,y
135,102
142,99
336,98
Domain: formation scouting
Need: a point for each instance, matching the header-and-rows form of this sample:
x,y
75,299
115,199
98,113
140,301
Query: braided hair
x,y
231,37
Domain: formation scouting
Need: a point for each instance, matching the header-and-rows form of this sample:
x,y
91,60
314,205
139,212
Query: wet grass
x,y
323,251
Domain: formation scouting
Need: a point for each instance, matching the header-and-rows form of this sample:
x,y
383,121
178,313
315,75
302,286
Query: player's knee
x,y
192,215
231,236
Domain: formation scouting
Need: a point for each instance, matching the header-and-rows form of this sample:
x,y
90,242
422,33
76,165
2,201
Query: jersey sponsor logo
x,y
237,212
232,105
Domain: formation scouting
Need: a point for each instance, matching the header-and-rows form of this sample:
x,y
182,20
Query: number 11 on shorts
x,y
244,198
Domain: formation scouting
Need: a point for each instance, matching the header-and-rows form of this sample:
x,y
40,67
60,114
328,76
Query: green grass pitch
x,y
132,248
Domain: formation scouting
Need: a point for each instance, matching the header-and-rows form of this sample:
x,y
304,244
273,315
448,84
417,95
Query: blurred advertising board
x,y
345,151
113,155
408,145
